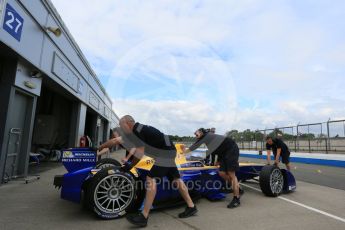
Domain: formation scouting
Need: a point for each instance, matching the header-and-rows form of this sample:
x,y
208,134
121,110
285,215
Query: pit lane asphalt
x,y
37,205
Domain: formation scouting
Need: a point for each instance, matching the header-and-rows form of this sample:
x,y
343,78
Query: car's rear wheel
x,y
111,192
107,162
271,180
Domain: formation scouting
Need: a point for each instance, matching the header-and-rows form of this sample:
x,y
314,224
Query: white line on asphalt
x,y
302,205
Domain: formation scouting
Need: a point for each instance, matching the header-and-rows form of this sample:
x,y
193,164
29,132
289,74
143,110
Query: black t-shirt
x,y
217,144
277,144
157,144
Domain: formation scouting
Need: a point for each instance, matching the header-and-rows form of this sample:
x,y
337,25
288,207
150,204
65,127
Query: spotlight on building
x,y
55,30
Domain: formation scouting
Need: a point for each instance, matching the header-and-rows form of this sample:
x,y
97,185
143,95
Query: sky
x,y
228,64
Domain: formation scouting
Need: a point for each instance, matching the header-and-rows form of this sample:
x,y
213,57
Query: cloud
x,y
266,63
181,117
173,117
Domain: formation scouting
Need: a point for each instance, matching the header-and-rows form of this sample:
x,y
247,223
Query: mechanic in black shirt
x,y
279,149
153,143
228,153
130,149
210,157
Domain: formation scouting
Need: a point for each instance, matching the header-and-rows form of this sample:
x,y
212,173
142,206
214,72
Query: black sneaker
x,y
137,219
234,203
188,212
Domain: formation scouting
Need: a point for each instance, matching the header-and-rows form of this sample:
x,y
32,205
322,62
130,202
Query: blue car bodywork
x,y
202,180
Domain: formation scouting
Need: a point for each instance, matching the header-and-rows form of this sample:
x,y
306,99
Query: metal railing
x,y
324,137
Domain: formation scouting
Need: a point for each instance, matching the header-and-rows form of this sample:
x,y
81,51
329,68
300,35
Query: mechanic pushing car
x,y
130,150
150,141
210,158
228,153
279,149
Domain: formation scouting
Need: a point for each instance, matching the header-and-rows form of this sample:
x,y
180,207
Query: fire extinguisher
x,y
82,142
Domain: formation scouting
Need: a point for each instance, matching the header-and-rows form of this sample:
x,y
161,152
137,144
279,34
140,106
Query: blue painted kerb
x,y
304,160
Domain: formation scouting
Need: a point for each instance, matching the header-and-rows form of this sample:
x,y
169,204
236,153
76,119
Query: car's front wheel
x,y
111,192
107,162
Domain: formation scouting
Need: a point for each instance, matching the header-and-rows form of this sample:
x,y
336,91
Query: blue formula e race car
x,y
110,193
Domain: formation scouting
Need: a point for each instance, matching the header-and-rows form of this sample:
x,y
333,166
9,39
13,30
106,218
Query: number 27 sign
x,y
13,22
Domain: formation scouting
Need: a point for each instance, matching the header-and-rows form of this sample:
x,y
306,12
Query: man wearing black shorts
x,y
153,143
279,149
228,153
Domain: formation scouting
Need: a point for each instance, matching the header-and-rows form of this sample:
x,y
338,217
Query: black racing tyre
x,y
271,180
111,192
102,163
107,162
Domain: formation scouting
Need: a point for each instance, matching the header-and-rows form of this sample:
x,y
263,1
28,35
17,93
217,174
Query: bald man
x,y
157,145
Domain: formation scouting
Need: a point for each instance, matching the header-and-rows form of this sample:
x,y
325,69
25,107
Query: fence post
x,y
309,139
297,138
328,141
321,137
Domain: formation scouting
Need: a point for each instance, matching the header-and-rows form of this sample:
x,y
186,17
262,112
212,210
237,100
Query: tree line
x,y
253,135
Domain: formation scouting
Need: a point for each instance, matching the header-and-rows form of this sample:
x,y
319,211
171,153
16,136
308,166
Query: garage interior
x,y
96,128
54,127
91,126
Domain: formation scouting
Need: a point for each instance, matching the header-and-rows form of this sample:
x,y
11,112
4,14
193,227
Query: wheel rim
x,y
276,181
103,166
114,193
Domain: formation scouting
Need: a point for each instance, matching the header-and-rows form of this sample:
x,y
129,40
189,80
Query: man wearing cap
x,y
228,153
